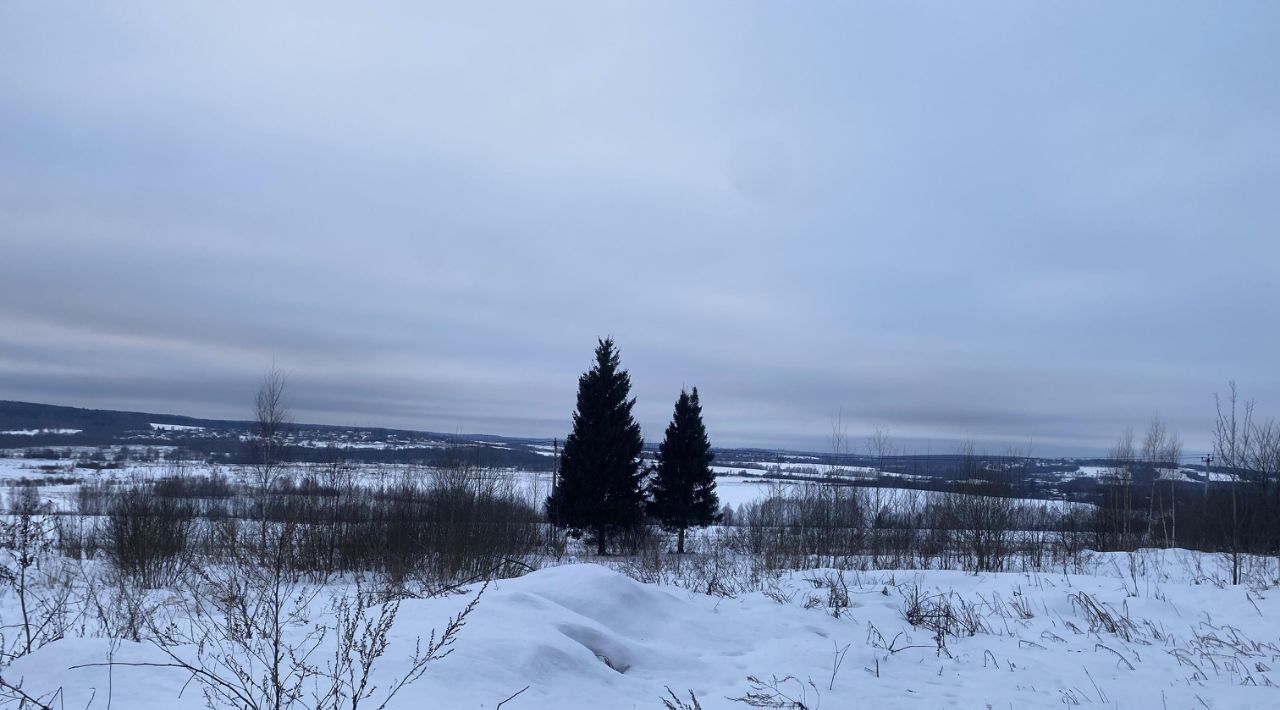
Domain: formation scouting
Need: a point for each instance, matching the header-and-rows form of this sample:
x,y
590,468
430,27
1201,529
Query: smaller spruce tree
x,y
684,490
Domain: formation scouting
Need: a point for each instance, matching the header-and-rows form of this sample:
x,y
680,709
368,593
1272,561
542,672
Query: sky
x,y
1021,224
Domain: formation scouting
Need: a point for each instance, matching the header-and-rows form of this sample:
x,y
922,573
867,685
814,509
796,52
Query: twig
x,y
510,698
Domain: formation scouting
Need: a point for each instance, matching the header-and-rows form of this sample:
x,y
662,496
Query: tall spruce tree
x,y
599,486
684,490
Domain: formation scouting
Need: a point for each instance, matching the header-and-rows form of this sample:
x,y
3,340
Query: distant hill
x,y
26,416
26,425
102,425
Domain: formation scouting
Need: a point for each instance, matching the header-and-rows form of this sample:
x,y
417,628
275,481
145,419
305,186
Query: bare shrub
x,y
787,693
984,525
802,527
677,703
1102,617
146,536
247,639
39,578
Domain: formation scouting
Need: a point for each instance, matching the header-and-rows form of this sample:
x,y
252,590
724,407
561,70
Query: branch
x,y
510,698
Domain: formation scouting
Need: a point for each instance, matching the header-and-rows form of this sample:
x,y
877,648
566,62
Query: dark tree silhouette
x,y
684,490
599,486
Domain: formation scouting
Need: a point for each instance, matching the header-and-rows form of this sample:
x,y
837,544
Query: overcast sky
x,y
1010,222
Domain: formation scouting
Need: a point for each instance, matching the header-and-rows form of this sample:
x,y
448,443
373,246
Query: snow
x,y
737,491
39,432
1181,475
585,636
797,468
175,427
740,490
11,468
1094,471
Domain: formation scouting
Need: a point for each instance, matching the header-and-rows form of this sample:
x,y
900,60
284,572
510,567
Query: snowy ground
x,y
739,490
1151,630
737,484
732,489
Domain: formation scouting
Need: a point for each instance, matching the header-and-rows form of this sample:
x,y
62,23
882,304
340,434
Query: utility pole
x,y
1208,477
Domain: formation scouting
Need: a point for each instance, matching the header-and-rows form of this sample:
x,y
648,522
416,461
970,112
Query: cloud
x,y
956,221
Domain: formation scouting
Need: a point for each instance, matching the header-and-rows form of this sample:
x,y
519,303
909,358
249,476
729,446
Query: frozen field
x,y
1133,632
732,489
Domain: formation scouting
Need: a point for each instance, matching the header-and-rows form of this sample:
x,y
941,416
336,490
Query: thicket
x,y
437,527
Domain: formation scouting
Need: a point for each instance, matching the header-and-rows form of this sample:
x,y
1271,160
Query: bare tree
x,y
1232,443
271,417
1162,451
982,510
1119,504
1264,461
1247,450
1233,430
880,446
839,446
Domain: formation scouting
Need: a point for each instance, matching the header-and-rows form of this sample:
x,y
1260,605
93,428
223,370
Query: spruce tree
x,y
684,490
599,486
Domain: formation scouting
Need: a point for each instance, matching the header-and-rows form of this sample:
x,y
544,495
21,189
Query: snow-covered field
x,y
1148,630
1154,629
734,490
740,490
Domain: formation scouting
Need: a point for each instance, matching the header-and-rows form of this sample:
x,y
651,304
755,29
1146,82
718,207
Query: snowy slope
x,y
584,636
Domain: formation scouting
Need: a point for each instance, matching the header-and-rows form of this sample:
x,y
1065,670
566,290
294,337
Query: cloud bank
x,y
1039,223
